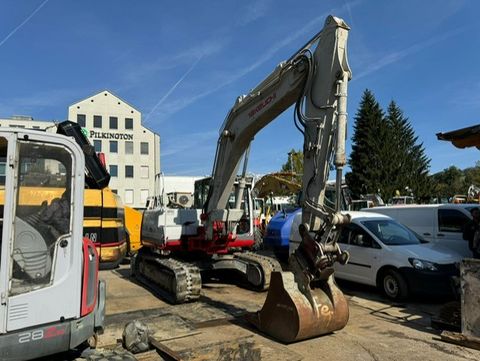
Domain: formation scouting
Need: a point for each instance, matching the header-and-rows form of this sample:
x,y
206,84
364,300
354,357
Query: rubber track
x,y
266,264
185,276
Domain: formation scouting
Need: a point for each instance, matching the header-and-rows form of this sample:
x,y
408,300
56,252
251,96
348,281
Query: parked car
x,y
386,254
438,223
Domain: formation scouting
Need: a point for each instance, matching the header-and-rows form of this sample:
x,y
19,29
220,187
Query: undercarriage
x,y
178,279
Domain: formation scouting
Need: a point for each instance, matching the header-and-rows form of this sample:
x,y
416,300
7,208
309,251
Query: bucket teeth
x,y
294,312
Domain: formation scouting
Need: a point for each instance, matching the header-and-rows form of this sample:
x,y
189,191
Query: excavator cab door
x,y
6,141
40,226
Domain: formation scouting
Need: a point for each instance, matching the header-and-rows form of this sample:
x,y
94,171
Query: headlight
x,y
422,265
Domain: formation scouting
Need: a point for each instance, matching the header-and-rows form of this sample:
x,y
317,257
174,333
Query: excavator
x,y
51,300
180,243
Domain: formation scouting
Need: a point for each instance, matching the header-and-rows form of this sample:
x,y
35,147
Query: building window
x,y
115,191
113,170
129,196
81,120
113,123
129,171
144,171
128,147
113,146
128,123
97,144
97,121
143,148
143,196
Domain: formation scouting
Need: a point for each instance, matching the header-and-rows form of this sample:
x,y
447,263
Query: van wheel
x,y
394,285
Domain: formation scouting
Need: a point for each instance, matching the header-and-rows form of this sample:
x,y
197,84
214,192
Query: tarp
x,y
281,183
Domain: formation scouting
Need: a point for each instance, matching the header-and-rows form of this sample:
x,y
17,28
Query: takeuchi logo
x,y
262,105
106,135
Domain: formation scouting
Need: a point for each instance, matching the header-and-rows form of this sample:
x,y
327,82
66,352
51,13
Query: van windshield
x,y
391,233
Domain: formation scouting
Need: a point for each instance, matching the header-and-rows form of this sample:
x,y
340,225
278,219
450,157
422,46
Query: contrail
x,y
23,23
172,88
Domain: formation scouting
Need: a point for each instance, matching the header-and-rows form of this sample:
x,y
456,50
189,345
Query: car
x,y
390,256
438,223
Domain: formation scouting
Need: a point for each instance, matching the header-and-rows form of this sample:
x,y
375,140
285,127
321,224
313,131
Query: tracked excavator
x,y
305,301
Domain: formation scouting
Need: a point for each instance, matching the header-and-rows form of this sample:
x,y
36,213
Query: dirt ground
x,y
214,327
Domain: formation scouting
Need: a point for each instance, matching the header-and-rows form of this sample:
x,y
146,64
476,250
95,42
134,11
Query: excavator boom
x,y
316,77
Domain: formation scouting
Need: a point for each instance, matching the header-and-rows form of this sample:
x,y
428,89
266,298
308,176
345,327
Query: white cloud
x,y
170,91
398,55
30,103
255,11
27,19
191,141
221,80
143,71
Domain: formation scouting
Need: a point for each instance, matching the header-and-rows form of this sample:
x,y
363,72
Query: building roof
x,y
109,92
463,138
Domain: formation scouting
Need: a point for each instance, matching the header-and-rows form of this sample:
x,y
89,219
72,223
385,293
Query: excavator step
x,y
173,280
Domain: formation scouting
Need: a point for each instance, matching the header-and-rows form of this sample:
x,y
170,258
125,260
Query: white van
x,y
386,254
439,223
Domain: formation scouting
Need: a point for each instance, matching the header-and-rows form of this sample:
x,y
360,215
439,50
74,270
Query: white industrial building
x,y
132,152
114,127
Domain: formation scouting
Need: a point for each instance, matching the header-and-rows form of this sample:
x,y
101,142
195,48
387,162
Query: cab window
x,y
356,236
42,213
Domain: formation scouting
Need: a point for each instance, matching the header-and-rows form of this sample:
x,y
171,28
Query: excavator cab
x,y
246,224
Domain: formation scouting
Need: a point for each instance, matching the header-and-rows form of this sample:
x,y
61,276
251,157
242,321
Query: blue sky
x,y
184,63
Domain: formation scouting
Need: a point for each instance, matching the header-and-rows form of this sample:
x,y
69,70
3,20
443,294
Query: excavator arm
x,y
305,301
316,80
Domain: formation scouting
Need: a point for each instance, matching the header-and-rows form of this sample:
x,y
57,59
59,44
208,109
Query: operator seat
x,y
31,252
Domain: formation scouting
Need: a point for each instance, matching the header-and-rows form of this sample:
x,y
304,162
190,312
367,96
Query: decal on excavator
x,y
41,334
262,105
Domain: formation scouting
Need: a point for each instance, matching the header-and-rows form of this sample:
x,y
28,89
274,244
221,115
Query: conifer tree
x,y
386,156
409,165
368,146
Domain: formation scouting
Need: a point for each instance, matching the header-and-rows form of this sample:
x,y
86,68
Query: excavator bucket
x,y
297,311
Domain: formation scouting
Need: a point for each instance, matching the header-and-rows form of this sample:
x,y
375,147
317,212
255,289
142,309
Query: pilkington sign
x,y
106,135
